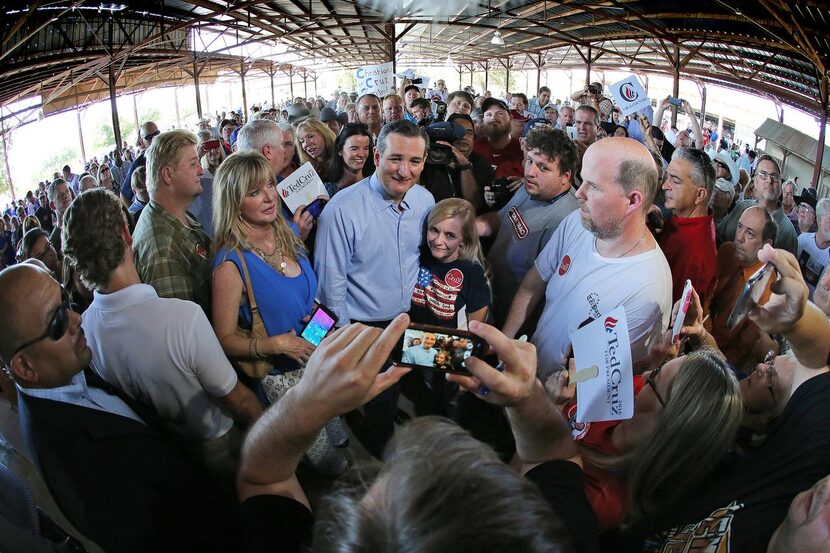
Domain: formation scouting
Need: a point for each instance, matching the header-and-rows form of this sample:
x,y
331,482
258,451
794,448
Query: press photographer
x,y
452,169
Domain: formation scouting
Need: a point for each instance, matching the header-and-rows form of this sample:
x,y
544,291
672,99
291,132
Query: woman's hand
x,y
291,345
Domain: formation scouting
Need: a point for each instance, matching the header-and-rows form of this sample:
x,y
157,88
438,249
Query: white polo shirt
x,y
163,352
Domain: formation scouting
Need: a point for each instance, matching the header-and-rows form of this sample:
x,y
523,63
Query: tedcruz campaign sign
x,y
630,95
375,79
605,382
301,187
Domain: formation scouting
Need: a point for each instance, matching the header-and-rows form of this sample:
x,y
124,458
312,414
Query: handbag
x,y
255,368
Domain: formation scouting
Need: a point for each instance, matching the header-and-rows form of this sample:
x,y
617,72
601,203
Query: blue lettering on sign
x,y
360,73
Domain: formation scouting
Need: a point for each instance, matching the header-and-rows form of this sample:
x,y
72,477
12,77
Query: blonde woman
x,y
315,143
249,226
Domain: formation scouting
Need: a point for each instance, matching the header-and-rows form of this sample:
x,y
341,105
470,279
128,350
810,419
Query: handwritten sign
x,y
630,95
375,79
607,392
301,187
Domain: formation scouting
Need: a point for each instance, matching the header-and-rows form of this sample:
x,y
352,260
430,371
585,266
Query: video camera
x,y
440,154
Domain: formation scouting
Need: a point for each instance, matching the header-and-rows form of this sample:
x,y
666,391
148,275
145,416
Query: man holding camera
x,y
529,219
591,95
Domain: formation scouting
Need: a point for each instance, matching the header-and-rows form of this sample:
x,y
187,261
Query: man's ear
x,y
635,201
166,174
22,369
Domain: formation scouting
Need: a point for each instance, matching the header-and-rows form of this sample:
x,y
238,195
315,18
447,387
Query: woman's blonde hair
x,y
236,177
695,430
30,222
470,248
315,125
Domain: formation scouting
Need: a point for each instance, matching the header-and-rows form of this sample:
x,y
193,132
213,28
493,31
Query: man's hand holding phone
x,y
507,387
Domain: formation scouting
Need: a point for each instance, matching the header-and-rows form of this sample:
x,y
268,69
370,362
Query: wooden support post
x,y
198,94
588,69
460,86
271,74
305,85
487,76
291,83
80,134
822,133
6,156
116,125
244,93
507,79
675,84
393,46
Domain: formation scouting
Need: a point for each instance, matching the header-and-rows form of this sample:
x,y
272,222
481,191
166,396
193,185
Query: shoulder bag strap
x,y
257,326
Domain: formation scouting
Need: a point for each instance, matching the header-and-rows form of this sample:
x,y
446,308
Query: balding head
x,y
31,303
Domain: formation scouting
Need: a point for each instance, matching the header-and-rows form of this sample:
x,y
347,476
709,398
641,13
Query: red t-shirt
x,y
507,162
606,492
689,246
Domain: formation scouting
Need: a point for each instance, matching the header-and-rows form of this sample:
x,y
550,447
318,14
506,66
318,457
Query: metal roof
x,y
63,49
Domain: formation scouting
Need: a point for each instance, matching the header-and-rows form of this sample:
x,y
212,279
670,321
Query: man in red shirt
x,y
498,146
688,237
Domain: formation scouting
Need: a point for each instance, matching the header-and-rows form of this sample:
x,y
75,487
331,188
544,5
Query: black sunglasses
x,y
57,326
650,382
152,135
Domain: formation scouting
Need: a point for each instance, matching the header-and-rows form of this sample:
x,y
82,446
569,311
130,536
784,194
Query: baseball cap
x,y
726,159
535,124
490,102
725,186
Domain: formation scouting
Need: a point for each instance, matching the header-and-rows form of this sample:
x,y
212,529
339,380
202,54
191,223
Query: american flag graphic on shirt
x,y
435,294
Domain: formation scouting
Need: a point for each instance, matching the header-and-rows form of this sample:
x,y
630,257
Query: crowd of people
x,y
154,309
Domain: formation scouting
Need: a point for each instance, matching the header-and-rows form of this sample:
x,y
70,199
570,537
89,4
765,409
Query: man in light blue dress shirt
x,y
366,257
423,354
366,254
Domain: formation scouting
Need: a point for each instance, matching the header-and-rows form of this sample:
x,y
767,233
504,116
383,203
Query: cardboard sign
x,y
301,187
602,352
630,95
375,79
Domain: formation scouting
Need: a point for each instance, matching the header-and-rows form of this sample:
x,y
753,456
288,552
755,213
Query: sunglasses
x,y
57,326
650,382
152,135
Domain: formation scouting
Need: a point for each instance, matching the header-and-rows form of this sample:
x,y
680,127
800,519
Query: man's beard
x,y
494,132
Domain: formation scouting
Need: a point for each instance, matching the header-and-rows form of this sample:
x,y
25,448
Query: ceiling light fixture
x,y
497,40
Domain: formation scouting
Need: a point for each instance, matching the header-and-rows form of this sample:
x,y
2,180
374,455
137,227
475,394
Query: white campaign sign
x,y
630,95
375,79
301,187
604,344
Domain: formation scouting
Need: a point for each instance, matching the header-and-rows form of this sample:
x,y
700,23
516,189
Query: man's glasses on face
x,y
57,326
764,175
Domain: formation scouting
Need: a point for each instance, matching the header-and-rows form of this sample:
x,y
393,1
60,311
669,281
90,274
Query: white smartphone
x,y
571,132
685,299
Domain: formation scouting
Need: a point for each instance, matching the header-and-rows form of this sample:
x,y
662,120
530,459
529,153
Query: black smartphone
x,y
316,207
752,292
438,348
321,322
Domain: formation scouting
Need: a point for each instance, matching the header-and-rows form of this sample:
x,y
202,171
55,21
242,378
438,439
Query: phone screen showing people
x,y
438,348
321,322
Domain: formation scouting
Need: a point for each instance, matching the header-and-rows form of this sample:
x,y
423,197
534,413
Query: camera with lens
x,y
501,192
593,90
436,174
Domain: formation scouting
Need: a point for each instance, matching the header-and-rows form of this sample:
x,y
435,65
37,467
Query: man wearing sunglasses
x,y
112,475
147,133
767,180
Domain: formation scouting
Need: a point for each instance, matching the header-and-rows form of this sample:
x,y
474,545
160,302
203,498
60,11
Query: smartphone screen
x,y
437,348
571,132
322,320
685,298
674,101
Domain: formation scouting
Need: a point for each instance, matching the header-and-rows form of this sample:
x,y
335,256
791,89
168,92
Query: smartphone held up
x,y
437,348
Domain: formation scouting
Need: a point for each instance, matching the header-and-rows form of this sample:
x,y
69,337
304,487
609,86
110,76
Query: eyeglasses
x,y
57,325
763,175
45,252
769,363
806,208
152,135
650,382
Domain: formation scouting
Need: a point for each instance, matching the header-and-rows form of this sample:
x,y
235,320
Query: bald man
x,y
600,257
114,478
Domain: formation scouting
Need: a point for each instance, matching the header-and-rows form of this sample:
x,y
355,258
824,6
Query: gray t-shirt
x,y
786,239
526,226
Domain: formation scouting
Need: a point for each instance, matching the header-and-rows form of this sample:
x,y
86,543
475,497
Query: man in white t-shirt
x,y
599,258
814,247
159,351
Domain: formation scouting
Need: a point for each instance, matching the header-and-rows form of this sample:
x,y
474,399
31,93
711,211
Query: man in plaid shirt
x,y
172,251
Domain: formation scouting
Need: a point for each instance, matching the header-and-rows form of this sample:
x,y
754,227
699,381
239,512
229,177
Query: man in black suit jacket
x,y
116,480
